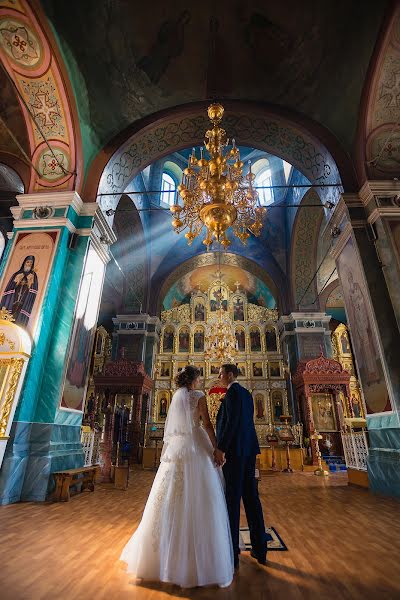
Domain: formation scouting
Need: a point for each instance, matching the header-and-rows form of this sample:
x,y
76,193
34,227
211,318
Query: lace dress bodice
x,y
194,397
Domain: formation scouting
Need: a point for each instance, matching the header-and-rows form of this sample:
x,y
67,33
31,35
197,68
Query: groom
x,y
237,447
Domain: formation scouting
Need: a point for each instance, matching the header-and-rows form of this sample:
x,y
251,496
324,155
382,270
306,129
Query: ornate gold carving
x,y
5,339
16,365
6,315
260,313
178,314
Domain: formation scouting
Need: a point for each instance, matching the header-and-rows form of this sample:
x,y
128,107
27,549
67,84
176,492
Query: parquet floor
x,y
343,543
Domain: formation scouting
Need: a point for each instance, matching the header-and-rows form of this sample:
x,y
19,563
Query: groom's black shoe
x,y
262,560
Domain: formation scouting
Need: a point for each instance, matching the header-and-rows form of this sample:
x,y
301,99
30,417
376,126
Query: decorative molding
x,y
262,129
102,236
384,213
40,223
342,241
54,199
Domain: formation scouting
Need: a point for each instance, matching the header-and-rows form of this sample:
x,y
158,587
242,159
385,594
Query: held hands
x,y
219,457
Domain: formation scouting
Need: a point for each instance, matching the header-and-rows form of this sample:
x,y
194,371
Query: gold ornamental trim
x,y
11,382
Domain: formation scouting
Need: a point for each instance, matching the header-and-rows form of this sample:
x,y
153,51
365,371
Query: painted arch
x,y
300,142
34,66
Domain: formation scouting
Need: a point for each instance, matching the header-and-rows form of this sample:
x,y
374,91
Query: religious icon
x,y
218,300
355,404
82,336
238,310
241,366
168,340
199,311
361,329
270,340
180,367
259,402
20,293
184,340
277,405
255,340
323,412
200,367
344,342
168,44
240,339
99,343
165,369
274,369
257,369
214,369
163,407
198,340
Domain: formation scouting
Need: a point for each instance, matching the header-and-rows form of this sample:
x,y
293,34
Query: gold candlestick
x,y
320,471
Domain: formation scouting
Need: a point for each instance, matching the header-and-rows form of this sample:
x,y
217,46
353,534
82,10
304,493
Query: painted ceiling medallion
x,y
53,164
20,43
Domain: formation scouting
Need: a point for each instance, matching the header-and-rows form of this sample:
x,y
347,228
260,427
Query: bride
x,y
184,535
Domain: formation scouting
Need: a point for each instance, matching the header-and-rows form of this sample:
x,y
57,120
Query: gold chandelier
x,y
220,344
215,193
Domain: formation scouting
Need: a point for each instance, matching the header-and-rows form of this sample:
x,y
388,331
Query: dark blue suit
x,y
236,436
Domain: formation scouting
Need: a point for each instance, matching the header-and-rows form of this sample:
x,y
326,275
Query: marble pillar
x,y
45,435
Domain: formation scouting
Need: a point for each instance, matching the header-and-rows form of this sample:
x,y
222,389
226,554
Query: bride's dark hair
x,y
186,376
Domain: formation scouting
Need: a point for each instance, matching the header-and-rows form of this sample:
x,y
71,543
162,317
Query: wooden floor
x,y
343,543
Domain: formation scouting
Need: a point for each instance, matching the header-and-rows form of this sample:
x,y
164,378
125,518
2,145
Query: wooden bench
x,y
83,476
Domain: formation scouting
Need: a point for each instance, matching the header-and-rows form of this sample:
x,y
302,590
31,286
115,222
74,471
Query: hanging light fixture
x,y
215,193
220,344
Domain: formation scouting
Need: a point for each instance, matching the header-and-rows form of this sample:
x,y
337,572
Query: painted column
x,y
366,260
60,244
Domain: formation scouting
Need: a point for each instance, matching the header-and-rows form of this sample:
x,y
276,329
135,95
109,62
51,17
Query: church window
x,y
263,180
168,189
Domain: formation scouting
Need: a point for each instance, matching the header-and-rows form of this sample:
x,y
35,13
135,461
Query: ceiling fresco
x,y
234,277
156,55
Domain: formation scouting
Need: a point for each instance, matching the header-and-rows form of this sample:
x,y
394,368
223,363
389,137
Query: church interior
x,y
187,184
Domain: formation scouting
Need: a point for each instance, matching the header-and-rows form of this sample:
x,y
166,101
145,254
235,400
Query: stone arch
x,y
304,251
303,143
34,65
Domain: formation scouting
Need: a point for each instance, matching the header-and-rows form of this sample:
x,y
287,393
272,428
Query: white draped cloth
x,y
184,535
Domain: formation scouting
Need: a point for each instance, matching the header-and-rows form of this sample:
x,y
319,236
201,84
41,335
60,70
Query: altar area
x,y
259,358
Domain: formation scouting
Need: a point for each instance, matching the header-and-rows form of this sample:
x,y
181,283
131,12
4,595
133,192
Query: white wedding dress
x,y
184,535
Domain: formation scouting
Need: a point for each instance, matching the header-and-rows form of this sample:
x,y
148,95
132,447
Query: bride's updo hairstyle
x,y
186,376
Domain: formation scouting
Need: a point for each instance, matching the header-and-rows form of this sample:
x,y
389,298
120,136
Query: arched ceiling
x,y
380,149
156,55
35,75
266,129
